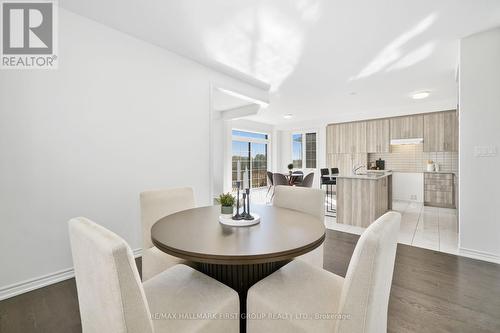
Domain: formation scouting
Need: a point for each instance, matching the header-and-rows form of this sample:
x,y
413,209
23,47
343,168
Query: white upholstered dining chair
x,y
357,303
306,200
155,205
112,298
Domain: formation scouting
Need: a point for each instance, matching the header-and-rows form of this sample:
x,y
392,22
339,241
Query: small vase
x,y
226,210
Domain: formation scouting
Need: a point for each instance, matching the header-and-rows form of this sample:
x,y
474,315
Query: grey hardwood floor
x,y
431,292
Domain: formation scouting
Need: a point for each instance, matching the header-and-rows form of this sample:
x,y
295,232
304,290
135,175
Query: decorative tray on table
x,y
228,220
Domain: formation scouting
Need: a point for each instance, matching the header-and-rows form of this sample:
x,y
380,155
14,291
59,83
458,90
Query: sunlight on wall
x,y
392,52
263,42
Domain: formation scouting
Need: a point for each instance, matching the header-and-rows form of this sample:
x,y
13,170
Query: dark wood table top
x,y
197,235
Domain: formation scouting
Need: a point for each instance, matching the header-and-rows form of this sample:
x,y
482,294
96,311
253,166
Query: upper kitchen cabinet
x,y
451,131
407,127
377,136
356,142
346,138
441,131
333,138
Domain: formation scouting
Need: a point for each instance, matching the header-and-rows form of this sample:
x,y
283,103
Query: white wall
x,y
220,130
480,126
408,186
119,116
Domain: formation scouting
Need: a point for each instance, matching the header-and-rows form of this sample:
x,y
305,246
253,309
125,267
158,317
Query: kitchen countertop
x,y
439,172
370,175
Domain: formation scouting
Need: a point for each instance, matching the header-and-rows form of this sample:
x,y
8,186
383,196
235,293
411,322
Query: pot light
x,y
420,95
288,116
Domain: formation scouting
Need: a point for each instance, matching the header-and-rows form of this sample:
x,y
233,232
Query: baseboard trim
x,y
480,255
42,281
32,284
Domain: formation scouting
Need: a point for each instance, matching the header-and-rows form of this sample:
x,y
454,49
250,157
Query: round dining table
x,y
238,256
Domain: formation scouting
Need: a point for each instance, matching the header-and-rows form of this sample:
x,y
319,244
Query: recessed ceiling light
x,y
353,93
288,116
420,95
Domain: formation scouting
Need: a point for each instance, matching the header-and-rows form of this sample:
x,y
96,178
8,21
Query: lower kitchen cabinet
x,y
439,189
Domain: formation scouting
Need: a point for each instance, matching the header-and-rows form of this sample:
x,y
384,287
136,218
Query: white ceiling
x,y
324,59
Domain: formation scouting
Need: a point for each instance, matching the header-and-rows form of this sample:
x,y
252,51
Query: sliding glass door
x,y
249,159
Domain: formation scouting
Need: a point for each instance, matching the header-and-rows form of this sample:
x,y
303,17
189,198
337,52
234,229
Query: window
x,y
297,150
249,158
311,150
243,134
304,150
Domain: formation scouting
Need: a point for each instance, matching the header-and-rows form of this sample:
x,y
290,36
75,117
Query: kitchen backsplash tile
x,y
412,158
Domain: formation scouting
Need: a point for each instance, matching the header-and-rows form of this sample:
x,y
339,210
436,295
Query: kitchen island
x,y
362,198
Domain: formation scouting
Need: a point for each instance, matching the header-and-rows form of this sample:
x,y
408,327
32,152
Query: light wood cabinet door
x,y
357,133
450,121
407,127
329,139
333,139
347,138
441,131
345,162
377,136
434,132
439,190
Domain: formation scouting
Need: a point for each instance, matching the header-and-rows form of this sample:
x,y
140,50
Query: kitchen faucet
x,y
355,168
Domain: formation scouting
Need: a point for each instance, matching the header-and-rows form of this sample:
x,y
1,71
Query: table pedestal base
x,y
240,278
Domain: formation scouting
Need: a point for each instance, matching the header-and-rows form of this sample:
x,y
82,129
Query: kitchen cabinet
x,y
362,200
441,131
346,138
450,131
334,143
330,142
355,139
407,127
377,136
346,162
439,190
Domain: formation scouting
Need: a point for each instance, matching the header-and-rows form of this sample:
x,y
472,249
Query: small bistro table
x,y
238,256
292,177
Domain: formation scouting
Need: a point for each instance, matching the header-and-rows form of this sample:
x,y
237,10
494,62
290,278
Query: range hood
x,y
413,141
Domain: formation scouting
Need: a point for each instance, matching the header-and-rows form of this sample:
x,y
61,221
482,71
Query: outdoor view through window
x,y
299,154
249,159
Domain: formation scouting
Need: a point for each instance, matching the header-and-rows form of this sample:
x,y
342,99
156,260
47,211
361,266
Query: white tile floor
x,y
427,227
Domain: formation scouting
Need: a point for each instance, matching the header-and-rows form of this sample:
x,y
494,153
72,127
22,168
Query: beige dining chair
x,y
308,180
155,205
112,298
357,303
306,200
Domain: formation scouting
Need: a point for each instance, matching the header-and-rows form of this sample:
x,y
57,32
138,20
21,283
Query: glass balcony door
x,y
249,159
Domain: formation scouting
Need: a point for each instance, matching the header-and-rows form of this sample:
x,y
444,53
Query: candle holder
x,y
244,214
237,216
247,216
